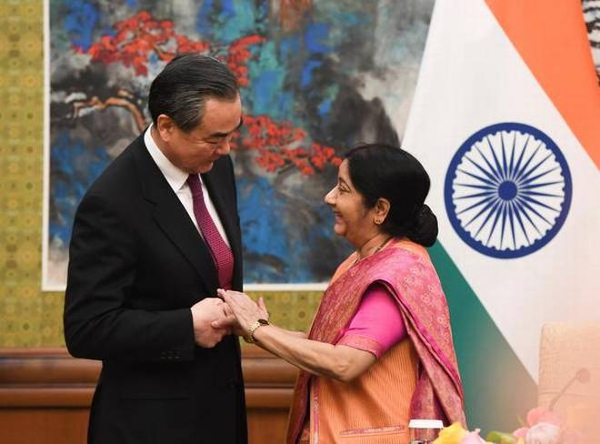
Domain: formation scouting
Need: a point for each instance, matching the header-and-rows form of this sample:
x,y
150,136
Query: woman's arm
x,y
298,334
333,361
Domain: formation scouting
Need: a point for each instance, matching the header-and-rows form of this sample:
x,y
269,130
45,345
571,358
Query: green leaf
x,y
501,438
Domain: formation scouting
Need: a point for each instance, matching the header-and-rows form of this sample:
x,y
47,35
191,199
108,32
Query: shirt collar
x,y
175,176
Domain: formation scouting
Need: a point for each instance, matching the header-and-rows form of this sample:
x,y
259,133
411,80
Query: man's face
x,y
197,150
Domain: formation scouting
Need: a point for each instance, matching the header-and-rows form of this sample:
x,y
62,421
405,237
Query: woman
x,y
380,348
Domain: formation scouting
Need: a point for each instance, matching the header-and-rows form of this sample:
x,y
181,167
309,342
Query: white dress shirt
x,y
177,179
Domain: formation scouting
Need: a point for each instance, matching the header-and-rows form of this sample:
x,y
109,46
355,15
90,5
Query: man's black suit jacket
x,y
137,265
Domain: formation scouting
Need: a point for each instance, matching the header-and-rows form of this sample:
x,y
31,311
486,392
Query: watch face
x,y
263,322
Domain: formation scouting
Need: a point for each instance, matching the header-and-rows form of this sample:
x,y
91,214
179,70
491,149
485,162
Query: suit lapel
x,y
176,223
173,219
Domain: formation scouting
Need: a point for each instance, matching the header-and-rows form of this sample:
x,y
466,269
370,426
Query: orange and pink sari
x,y
417,378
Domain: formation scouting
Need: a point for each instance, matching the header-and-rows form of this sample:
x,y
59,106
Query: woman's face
x,y
352,219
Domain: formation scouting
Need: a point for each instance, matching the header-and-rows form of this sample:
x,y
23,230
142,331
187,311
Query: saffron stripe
x,y
552,40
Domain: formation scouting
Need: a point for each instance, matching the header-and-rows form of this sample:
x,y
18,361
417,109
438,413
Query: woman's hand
x,y
244,308
230,321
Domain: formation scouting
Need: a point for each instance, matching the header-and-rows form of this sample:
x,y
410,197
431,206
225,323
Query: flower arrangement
x,y
543,426
456,434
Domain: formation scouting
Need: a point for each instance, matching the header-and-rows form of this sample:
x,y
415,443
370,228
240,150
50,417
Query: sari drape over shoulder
x,y
405,269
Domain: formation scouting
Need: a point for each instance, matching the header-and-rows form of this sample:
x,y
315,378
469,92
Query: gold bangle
x,y
249,337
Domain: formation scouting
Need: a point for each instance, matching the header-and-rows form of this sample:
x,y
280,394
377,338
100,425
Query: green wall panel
x,y
28,317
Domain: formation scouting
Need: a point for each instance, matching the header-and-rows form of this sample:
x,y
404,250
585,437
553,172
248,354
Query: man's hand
x,y
246,311
230,321
204,313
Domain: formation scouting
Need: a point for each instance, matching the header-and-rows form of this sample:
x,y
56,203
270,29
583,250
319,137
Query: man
x,y
153,239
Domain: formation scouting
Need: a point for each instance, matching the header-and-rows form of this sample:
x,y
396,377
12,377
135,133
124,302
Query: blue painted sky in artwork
x,y
316,37
289,47
227,20
79,23
266,95
309,66
270,239
350,19
203,18
264,233
324,107
74,167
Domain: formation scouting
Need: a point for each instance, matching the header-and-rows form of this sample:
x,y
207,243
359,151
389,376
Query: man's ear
x,y
165,127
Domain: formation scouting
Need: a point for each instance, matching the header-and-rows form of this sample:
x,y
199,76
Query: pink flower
x,y
543,433
540,414
521,432
537,415
473,438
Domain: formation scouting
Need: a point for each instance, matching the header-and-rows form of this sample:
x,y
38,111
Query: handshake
x,y
230,313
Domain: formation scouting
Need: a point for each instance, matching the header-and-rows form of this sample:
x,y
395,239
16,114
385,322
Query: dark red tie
x,y
222,256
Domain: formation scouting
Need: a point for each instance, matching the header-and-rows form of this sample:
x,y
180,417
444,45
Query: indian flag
x,y
506,119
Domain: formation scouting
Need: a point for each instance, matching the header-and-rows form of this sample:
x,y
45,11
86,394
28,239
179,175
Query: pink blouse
x,y
377,325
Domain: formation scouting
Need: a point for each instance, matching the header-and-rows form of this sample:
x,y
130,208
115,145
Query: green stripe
x,y
498,388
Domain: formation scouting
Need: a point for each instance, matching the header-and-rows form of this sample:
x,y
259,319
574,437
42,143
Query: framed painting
x,y
317,77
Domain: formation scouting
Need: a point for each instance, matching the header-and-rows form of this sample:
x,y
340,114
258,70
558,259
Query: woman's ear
x,y
382,208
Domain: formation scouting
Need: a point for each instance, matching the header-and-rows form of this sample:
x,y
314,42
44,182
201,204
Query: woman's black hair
x,y
382,171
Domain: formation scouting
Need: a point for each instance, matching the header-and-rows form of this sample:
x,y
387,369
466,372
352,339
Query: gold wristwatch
x,y
249,338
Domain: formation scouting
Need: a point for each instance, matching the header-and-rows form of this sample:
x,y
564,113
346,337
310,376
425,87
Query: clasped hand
x,y
244,309
211,311
232,312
